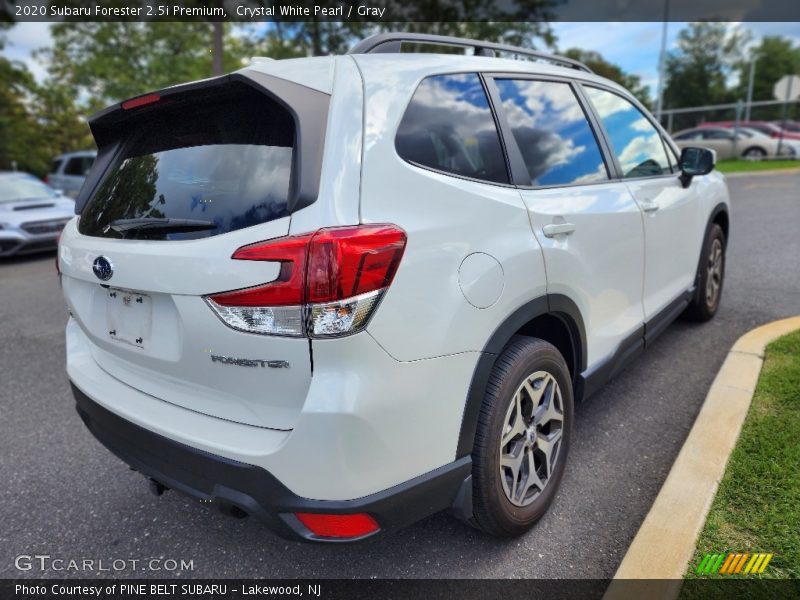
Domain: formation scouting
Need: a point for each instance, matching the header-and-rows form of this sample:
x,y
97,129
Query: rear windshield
x,y
225,162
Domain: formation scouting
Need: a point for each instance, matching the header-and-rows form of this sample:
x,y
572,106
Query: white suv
x,y
344,293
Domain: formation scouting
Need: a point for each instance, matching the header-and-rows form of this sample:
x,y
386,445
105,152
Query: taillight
x,y
338,526
329,282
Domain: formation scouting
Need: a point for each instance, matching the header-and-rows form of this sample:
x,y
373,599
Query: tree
x,y
698,70
602,67
108,62
775,57
517,22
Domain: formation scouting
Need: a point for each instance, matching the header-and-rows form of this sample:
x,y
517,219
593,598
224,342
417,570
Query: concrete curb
x,y
789,171
666,539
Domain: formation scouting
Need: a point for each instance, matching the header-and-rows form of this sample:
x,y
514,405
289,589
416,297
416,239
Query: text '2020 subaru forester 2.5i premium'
x,y
344,293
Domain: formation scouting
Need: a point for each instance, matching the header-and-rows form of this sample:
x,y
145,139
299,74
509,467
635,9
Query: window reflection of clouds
x,y
635,140
449,126
555,139
235,185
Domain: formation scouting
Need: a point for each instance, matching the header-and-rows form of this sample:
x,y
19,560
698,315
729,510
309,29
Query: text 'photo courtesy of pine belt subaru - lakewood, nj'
x,y
343,293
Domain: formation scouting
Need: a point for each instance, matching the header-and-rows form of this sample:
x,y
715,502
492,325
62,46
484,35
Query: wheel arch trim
x,y
720,209
556,305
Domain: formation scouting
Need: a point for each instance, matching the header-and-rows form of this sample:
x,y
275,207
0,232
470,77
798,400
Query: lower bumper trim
x,y
253,489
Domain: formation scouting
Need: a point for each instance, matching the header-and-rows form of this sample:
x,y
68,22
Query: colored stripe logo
x,y
734,563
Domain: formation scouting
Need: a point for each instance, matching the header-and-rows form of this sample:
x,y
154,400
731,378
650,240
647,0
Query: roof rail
x,y
391,42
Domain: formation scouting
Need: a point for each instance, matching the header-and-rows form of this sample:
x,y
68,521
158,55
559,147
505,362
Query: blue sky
x,y
633,46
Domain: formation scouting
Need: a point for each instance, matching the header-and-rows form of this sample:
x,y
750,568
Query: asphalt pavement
x,y
63,495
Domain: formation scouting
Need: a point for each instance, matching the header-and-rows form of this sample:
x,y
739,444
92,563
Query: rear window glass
x,y
224,162
449,126
54,166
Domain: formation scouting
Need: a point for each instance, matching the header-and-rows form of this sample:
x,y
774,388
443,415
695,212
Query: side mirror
x,y
695,161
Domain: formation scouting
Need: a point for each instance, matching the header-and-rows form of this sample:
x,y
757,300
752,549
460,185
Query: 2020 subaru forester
x,y
344,293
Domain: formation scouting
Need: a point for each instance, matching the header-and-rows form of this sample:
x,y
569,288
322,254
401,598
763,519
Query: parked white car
x,y
344,293
749,143
32,214
68,171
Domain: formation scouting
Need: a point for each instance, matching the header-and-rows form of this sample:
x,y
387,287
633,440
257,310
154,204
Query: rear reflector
x,y
339,526
329,282
140,101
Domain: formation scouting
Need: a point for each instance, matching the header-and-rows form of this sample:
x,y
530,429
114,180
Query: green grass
x,y
757,507
743,166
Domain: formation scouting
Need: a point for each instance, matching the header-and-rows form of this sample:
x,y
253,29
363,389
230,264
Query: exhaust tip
x,y
232,511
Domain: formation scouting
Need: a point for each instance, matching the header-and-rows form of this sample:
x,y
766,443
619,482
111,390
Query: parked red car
x,y
765,127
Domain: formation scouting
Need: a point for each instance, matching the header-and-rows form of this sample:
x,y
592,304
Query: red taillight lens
x,y
288,288
140,101
349,261
339,526
337,275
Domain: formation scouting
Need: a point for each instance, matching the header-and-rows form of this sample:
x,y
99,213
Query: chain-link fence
x,y
775,111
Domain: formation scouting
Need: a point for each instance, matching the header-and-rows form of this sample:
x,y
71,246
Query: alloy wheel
x,y
714,276
531,440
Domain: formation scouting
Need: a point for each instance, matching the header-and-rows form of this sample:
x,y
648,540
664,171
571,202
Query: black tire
x,y
754,153
703,307
493,510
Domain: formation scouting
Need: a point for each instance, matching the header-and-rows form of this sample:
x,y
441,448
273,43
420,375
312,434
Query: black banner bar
x,y
395,589
400,11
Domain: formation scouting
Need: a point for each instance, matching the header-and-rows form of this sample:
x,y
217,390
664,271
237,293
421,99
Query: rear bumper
x,y
209,477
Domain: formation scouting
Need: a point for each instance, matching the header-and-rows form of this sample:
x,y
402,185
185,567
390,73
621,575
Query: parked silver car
x,y
68,171
32,214
749,143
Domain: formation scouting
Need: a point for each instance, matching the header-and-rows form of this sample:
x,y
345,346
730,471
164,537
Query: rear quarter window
x,y
227,161
448,126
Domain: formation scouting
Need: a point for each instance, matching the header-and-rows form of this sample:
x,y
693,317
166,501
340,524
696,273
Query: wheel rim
x,y
714,276
530,443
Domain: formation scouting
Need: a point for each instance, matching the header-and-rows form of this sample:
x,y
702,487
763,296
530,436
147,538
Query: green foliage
x,y
775,57
109,62
290,40
697,71
757,507
742,165
609,70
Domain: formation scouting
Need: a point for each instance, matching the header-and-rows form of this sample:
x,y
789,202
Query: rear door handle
x,y
558,228
648,206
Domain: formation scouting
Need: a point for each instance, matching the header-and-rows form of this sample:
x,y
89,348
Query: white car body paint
x,y
385,405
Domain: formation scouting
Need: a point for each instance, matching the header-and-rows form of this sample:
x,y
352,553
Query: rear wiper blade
x,y
123,226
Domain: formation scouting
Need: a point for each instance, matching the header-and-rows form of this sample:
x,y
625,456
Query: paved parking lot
x,y
64,495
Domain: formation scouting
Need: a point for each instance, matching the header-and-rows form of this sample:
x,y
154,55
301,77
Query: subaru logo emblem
x,y
103,268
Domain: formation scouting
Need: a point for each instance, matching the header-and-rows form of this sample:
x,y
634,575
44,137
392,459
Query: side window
x,y
694,134
635,140
54,166
552,132
448,126
76,166
88,161
718,134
